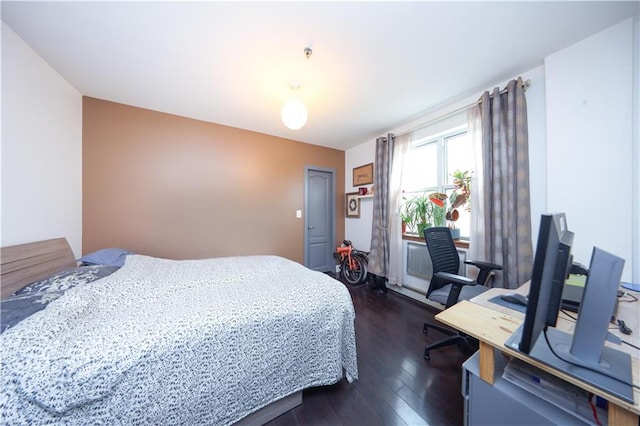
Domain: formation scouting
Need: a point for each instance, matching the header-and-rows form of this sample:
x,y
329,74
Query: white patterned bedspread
x,y
165,342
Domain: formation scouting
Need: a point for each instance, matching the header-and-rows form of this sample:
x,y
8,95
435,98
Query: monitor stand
x,y
613,363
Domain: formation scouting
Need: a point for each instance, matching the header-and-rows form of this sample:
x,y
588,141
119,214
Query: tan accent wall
x,y
174,187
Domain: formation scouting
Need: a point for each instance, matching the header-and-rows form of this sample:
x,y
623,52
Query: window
x,y
429,166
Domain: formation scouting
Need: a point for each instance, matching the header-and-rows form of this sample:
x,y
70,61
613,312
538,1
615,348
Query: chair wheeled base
x,y
462,341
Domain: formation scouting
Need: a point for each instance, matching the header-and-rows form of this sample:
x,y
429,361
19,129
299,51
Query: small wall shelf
x,y
366,196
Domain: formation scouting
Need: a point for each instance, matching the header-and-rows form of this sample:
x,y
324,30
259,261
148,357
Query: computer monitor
x,y
582,355
550,266
595,312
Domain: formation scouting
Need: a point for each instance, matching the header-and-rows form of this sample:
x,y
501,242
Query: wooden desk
x,y
492,325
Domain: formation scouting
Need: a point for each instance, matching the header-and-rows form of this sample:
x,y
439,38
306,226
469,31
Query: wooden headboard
x,y
26,263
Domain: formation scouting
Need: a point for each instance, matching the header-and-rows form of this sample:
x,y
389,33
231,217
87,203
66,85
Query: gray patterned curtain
x,y
501,226
379,254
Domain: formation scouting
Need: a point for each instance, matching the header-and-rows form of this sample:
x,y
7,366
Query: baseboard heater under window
x,y
418,261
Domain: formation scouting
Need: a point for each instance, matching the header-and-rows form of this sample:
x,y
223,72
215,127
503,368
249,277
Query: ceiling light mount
x,y
295,85
307,52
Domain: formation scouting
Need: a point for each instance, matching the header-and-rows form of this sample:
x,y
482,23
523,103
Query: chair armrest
x,y
453,278
457,281
486,270
483,265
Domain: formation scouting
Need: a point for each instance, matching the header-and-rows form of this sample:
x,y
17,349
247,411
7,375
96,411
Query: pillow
x,y
63,281
108,256
36,296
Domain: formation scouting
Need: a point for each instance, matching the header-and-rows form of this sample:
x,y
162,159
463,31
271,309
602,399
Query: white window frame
x,y
442,175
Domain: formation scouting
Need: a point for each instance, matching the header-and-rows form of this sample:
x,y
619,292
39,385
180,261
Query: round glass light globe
x,y
294,114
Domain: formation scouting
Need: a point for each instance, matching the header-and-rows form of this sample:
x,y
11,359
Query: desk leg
x,y
621,416
487,363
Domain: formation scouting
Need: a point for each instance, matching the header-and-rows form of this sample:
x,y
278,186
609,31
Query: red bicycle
x,y
353,263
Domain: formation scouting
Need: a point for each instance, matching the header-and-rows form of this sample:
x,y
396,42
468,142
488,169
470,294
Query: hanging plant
x,y
460,197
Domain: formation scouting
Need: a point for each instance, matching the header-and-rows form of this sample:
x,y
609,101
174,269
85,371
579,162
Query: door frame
x,y
332,239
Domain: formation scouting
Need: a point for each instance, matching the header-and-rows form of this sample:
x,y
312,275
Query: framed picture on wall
x,y
363,175
353,204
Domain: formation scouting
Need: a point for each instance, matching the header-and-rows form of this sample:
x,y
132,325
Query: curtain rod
x,y
525,86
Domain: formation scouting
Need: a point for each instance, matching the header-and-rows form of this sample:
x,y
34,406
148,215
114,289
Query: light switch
x,y
298,214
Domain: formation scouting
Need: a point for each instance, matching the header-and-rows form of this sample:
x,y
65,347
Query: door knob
x,y
310,227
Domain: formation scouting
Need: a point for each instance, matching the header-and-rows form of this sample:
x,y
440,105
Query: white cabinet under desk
x,y
507,403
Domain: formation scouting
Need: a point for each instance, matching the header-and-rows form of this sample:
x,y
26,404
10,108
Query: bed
x,y
158,341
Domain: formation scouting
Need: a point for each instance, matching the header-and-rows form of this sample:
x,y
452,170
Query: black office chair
x,y
447,287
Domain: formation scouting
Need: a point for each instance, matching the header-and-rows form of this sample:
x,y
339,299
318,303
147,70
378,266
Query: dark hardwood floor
x,y
396,385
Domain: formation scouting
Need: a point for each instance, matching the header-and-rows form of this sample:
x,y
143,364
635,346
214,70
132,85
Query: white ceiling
x,y
375,65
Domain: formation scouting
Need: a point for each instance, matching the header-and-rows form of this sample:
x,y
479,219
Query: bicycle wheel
x,y
355,275
363,255
365,261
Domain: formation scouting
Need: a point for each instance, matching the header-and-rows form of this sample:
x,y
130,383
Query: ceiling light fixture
x,y
294,112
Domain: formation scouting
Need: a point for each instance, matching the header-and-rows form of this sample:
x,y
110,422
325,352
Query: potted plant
x,y
459,198
424,211
437,201
406,216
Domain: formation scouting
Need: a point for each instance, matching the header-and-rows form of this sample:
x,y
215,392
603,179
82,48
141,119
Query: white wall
x,y
585,71
589,141
41,146
358,230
